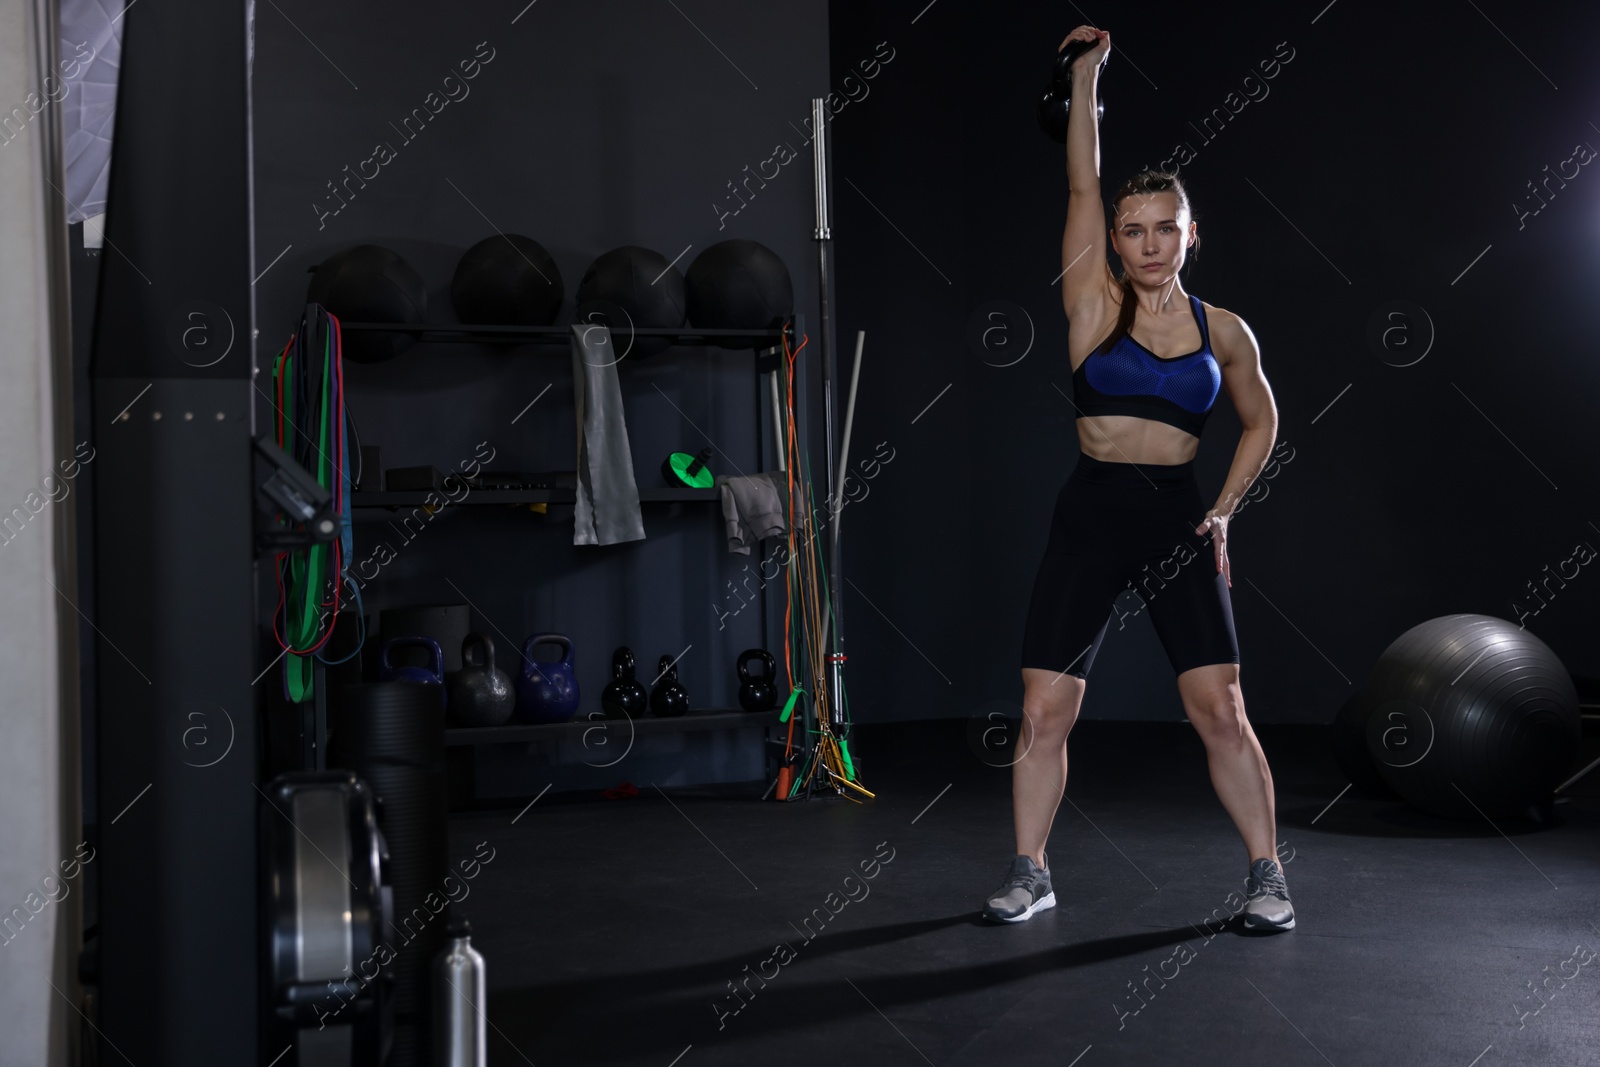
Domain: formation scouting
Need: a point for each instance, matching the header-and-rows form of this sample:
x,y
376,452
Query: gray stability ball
x,y
1470,717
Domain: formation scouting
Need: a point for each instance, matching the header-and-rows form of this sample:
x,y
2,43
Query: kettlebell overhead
x,y
1055,103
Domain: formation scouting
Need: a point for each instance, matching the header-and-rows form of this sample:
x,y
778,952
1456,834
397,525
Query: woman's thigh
x,y
1189,602
1088,560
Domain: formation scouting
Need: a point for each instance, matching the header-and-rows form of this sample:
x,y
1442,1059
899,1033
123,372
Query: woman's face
x,y
1152,235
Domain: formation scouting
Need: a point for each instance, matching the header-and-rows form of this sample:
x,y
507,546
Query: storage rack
x,y
769,358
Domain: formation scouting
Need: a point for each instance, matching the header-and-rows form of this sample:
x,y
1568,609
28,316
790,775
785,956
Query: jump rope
x,y
310,424
806,653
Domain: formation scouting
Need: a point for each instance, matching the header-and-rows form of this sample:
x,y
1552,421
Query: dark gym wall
x,y
1392,155
585,126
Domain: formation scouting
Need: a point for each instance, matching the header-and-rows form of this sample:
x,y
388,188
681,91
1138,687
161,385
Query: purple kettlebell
x,y
432,674
547,691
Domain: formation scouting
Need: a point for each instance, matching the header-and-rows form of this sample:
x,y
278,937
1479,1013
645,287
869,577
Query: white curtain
x,y
38,738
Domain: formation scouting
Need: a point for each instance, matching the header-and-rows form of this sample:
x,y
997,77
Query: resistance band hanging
x,y
310,422
808,658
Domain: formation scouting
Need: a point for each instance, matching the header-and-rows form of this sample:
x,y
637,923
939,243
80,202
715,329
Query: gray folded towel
x,y
752,507
607,496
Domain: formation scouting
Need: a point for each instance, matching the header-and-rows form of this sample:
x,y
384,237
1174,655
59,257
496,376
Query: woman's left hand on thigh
x,y
1217,524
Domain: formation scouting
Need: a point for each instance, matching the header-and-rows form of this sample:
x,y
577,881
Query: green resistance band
x,y
307,569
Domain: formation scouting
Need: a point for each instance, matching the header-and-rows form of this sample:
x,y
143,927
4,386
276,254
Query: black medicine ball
x,y
739,285
507,280
370,283
632,288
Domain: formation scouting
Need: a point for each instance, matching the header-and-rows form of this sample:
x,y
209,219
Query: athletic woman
x,y
1147,361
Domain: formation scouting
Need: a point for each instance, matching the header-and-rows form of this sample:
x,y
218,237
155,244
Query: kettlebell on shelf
x,y
432,674
757,693
669,699
624,697
547,691
480,692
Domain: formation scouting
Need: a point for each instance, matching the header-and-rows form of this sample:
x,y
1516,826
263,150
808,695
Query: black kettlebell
x,y
623,697
669,698
1056,101
480,692
757,694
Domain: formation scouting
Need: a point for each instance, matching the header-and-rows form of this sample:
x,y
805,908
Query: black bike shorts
x,y
1121,526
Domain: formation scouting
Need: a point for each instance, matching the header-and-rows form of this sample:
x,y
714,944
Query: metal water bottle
x,y
460,1002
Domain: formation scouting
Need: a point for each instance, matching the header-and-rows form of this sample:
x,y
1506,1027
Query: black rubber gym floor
x,y
645,930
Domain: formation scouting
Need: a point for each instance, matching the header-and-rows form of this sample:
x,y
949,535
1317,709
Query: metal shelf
x,y
561,335
416,497
710,719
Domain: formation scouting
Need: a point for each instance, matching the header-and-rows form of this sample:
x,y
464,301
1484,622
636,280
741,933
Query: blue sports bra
x,y
1132,380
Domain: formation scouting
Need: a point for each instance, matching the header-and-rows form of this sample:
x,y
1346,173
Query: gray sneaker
x,y
1025,891
1268,907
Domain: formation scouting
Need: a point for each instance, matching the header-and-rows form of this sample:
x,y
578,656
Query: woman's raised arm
x,y
1083,244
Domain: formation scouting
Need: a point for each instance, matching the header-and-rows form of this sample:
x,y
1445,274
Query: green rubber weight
x,y
683,469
